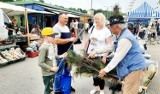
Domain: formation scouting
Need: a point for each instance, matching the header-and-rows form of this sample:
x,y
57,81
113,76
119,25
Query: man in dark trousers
x,y
63,39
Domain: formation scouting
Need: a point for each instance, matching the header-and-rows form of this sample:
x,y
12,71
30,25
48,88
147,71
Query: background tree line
x,y
107,13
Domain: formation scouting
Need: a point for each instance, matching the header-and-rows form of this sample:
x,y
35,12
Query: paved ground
x,y
25,77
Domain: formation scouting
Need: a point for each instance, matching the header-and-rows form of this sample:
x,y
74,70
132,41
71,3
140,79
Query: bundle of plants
x,y
90,67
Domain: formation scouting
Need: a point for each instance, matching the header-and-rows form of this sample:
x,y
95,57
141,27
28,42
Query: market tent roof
x,y
143,11
69,15
158,12
54,7
11,10
58,11
74,16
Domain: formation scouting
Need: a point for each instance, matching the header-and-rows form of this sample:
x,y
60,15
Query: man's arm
x,y
124,46
119,55
64,41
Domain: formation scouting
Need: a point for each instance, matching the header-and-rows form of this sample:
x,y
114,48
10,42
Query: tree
x,y
9,0
79,9
116,10
41,1
105,12
6,0
84,11
74,9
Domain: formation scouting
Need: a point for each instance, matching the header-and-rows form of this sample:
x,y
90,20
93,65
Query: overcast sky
x,y
100,4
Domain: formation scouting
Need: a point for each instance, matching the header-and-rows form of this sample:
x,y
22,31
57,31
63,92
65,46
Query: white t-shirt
x,y
98,39
58,29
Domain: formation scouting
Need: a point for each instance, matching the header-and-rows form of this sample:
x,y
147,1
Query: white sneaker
x,y
101,91
94,90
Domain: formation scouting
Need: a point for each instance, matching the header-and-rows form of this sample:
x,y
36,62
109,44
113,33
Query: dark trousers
x,y
48,83
99,82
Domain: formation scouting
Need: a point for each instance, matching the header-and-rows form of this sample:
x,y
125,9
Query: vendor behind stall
x,y
12,27
36,30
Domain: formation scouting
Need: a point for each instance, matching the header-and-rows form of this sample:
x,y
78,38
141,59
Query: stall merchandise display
x,y
13,54
3,60
32,50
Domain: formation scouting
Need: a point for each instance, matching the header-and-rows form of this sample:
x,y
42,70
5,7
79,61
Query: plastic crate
x,y
2,65
33,54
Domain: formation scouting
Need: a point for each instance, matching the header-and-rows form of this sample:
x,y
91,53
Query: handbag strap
x,y
89,39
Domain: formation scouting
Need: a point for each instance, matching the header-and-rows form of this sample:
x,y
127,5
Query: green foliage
x,y
105,12
90,67
41,1
73,9
9,0
116,10
6,0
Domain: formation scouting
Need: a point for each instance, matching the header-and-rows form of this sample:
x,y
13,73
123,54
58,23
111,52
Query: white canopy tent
x,y
74,16
11,10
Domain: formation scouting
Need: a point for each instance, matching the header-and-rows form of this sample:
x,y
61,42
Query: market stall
x,y
11,54
23,36
143,13
12,48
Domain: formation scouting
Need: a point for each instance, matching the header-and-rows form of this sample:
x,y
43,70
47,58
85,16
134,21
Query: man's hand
x,y
54,69
72,39
102,73
63,55
93,54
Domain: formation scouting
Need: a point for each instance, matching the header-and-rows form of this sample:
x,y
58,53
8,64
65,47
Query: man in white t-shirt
x,y
63,41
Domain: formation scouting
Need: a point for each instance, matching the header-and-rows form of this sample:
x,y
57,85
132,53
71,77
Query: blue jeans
x,y
58,75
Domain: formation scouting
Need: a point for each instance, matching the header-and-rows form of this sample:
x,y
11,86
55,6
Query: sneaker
x,y
95,90
72,89
101,91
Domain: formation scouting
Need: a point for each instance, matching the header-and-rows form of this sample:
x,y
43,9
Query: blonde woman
x,y
99,36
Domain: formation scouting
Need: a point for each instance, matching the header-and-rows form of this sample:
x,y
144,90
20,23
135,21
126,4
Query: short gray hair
x,y
122,25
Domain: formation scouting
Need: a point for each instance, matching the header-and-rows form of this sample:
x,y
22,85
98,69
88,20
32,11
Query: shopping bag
x,y
65,84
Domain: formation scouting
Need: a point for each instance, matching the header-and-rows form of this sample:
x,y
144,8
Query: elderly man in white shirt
x,y
128,59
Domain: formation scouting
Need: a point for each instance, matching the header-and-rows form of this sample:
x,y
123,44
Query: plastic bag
x,y
65,84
